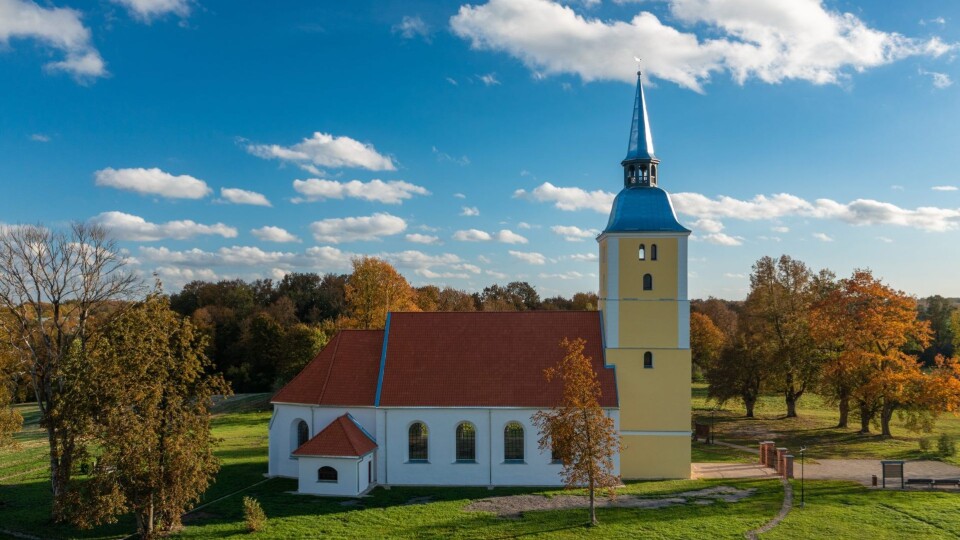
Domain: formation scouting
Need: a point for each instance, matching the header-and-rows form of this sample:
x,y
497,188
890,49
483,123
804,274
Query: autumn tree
x,y
782,292
10,420
451,299
374,289
152,400
706,342
739,372
53,285
865,324
578,431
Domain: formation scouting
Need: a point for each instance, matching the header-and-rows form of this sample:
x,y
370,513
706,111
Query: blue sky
x,y
473,143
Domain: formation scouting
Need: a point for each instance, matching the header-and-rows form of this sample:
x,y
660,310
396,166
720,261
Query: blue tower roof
x,y
643,209
641,138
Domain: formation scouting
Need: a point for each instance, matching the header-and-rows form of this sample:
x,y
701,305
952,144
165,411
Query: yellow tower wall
x,y
654,402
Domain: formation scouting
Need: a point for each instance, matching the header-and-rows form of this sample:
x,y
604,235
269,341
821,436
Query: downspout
x,y
490,446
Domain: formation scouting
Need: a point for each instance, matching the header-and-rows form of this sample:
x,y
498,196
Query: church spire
x,y
640,166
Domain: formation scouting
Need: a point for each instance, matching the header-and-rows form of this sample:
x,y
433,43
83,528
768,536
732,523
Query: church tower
x,y
646,313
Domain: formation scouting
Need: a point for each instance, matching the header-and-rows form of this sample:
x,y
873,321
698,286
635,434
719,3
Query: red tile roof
x,y
486,359
342,438
343,374
478,359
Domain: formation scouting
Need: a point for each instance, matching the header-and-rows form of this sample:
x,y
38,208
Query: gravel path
x,y
784,510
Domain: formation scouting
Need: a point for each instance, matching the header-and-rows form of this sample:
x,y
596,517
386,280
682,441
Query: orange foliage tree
x,y
578,431
374,289
865,324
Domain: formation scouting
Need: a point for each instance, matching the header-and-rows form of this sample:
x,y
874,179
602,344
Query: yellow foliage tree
x,y
374,289
578,431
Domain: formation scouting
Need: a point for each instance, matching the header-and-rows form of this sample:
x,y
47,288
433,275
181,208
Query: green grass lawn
x,y
815,428
835,509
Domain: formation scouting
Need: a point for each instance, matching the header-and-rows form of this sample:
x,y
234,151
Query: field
x,y
815,428
833,509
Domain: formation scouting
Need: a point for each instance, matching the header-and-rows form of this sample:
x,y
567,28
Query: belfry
x,y
646,313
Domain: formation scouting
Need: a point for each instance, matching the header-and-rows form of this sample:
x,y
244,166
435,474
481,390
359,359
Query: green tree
x,y
301,343
578,431
939,312
152,399
782,293
54,285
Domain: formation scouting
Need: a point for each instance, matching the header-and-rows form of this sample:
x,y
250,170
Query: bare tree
x,y
53,284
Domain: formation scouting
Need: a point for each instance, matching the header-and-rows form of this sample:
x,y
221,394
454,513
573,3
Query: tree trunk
x,y
844,410
886,414
865,416
791,399
749,402
593,509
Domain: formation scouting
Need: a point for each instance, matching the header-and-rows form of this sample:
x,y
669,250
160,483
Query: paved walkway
x,y
731,470
855,470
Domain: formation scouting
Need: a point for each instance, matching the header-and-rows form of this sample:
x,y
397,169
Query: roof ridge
x,y
333,360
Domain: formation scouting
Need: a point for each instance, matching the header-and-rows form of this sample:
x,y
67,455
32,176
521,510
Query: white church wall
x,y
394,467
283,433
351,475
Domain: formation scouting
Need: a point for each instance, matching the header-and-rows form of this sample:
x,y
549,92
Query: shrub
x,y
925,445
253,515
946,446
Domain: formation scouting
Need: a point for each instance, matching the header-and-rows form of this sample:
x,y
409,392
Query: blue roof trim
x,y
365,432
642,208
383,361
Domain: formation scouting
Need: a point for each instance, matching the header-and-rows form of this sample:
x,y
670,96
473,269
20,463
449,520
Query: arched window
x,y
648,360
653,252
632,174
513,442
303,433
418,441
653,174
647,282
555,455
466,442
326,474
643,252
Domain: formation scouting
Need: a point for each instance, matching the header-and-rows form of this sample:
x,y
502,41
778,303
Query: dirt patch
x,y
514,506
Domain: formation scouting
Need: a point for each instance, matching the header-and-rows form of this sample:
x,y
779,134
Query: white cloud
x,y
524,225
153,182
147,10
351,229
484,259
822,237
472,235
40,137
470,211
707,225
495,274
325,150
445,157
173,277
509,237
940,80
391,192
412,26
734,276
130,227
459,195
780,229
57,28
314,258
721,239
885,240
571,233
569,198
452,81
530,257
242,196
769,41
490,79
583,257
418,238
857,212
274,234
564,275
945,188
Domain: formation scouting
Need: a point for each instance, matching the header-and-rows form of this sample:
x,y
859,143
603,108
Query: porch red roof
x,y
342,438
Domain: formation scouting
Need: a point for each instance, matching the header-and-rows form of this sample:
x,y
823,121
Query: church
x,y
447,398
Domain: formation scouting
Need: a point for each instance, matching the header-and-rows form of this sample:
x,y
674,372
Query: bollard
x,y
765,447
874,481
788,466
782,451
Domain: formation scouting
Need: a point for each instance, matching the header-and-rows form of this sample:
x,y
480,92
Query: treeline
x,y
263,332
871,350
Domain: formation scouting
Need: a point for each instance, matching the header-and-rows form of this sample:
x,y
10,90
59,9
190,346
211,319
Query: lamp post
x,y
802,450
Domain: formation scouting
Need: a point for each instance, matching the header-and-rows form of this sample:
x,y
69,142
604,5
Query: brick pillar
x,y
765,451
788,466
782,451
